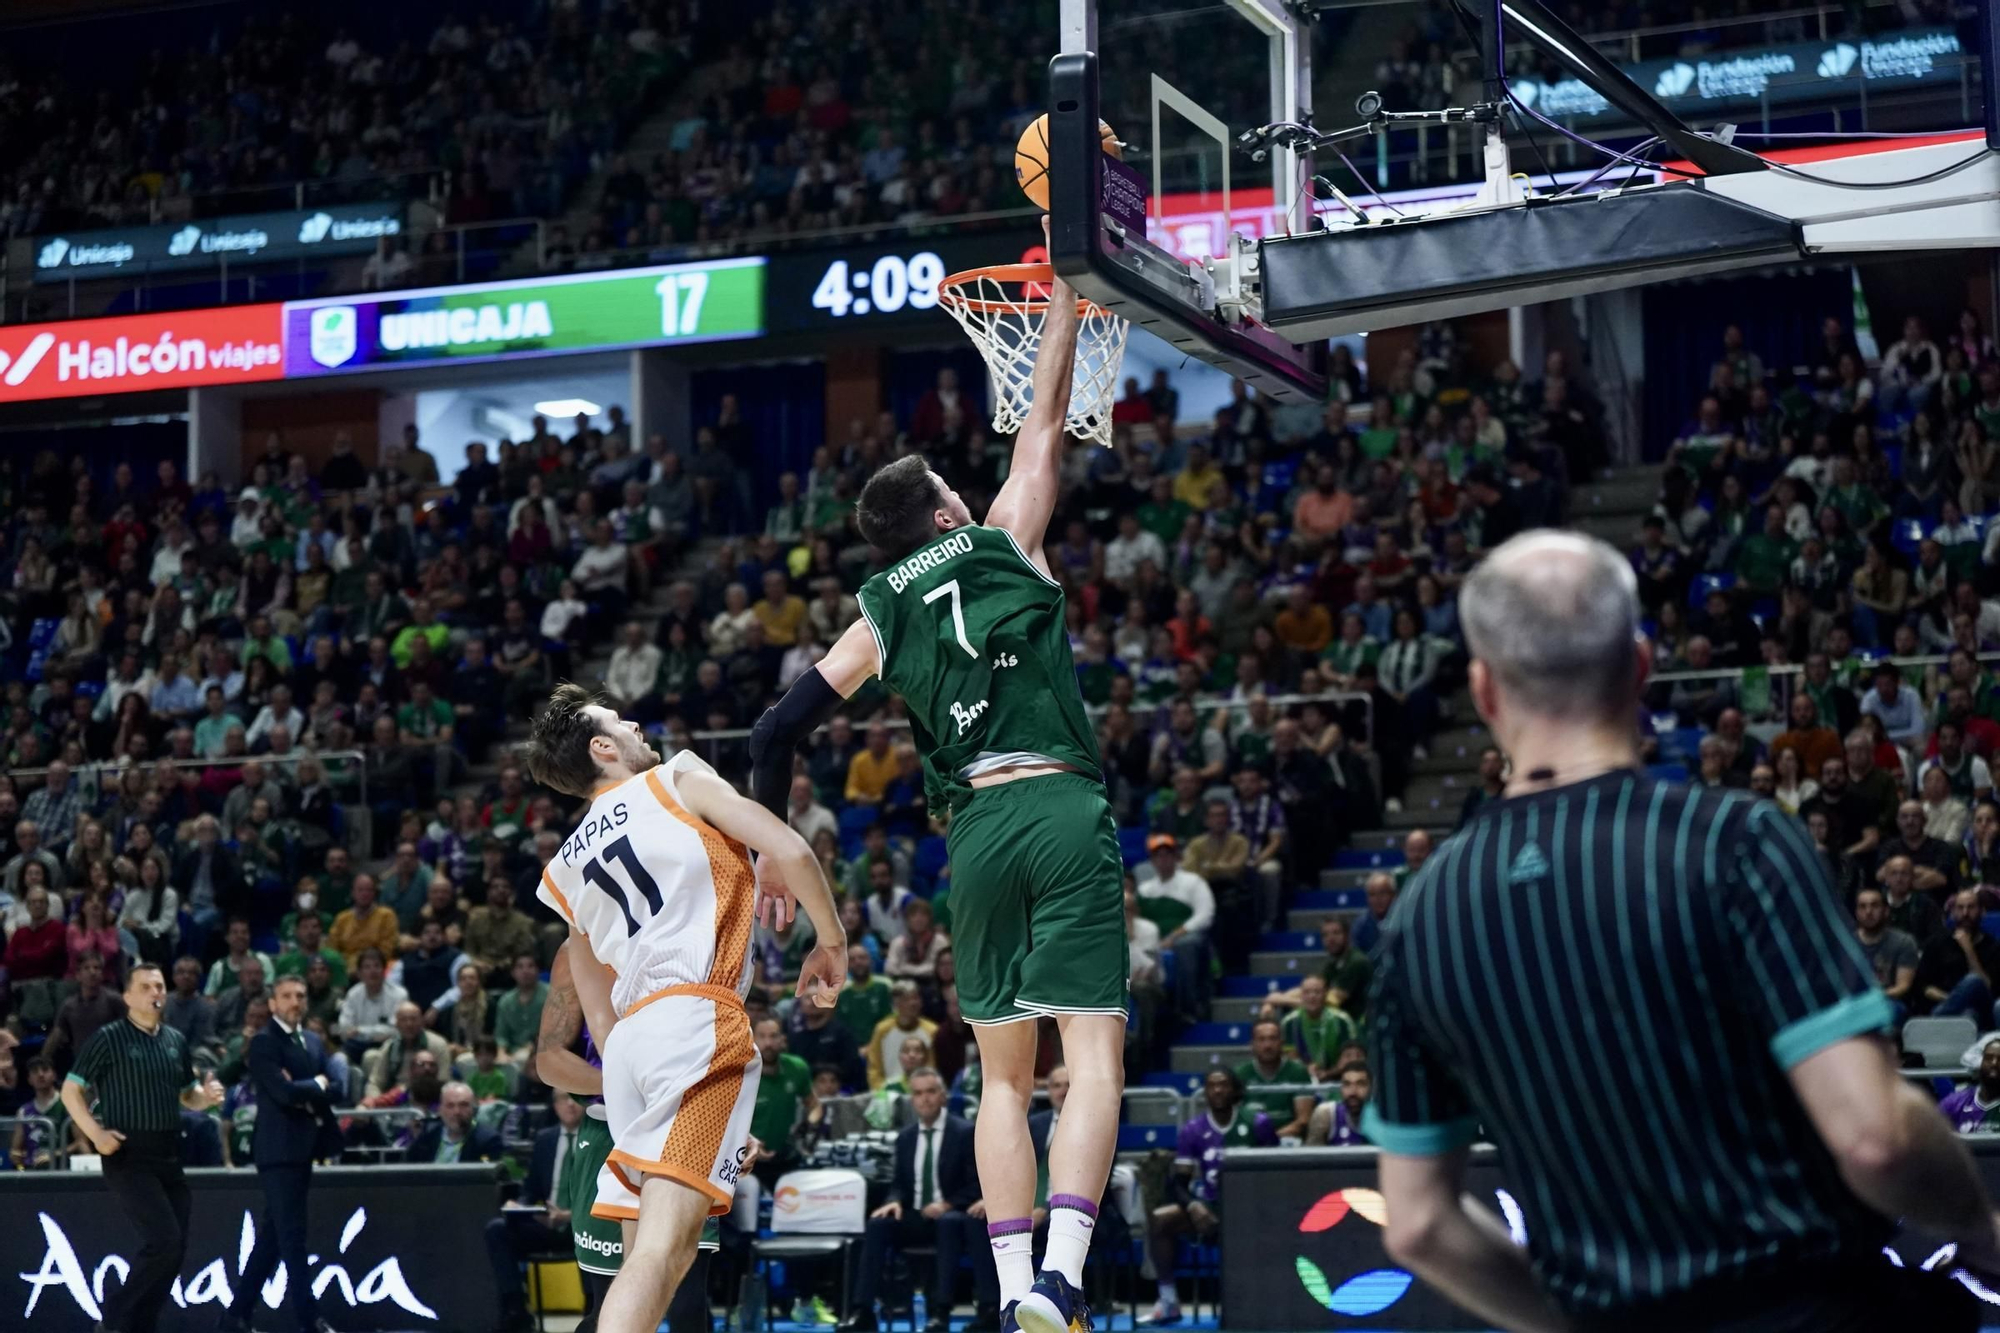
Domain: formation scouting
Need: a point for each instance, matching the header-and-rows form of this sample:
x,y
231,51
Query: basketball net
x,y
1002,309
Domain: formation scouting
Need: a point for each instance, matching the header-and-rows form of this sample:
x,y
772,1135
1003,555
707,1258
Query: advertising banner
x,y
1311,1222
393,1248
1782,75
585,312
129,353
830,1202
337,229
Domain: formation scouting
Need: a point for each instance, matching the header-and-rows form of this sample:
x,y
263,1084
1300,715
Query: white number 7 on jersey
x,y
957,613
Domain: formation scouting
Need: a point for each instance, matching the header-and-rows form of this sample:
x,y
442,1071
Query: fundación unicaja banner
x,y
1827,71
707,301
209,243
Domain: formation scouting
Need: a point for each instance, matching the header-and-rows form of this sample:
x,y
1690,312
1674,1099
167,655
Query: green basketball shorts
x,y
599,1246
1038,901
599,1240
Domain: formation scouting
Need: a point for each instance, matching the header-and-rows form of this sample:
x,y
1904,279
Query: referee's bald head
x,y
1552,620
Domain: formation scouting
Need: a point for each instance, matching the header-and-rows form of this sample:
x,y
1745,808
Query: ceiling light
x,y
567,407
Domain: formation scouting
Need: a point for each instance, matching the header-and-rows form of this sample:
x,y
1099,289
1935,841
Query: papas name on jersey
x,y
591,828
958,543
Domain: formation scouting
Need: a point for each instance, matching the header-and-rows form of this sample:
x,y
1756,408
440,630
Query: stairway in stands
x,y
1610,509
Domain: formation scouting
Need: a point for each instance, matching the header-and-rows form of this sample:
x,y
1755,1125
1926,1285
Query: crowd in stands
x,y
491,115
1818,571
265,731
262,731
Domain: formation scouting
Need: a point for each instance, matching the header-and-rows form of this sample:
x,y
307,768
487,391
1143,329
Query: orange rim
x,y
1028,275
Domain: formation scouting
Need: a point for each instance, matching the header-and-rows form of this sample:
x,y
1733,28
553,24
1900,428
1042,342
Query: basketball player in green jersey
x,y
967,625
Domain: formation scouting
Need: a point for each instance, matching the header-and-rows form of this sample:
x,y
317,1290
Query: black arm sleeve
x,y
779,733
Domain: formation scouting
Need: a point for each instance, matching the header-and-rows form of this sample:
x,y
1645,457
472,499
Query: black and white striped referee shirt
x,y
1612,978
137,1077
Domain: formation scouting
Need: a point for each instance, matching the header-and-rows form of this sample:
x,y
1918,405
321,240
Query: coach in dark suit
x,y
934,1200
295,1126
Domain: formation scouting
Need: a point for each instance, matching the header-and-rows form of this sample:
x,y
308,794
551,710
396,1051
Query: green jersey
x,y
781,1098
1277,1105
971,634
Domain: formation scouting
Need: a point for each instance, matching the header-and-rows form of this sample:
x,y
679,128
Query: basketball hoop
x,y
1001,307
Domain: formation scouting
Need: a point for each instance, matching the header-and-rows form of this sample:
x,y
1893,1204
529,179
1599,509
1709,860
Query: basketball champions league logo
x,y
1376,1290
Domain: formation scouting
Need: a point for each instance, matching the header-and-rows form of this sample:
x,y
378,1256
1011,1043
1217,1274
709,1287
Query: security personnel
x,y
1650,997
138,1072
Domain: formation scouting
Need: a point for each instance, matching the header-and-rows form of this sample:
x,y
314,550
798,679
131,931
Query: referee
x,y
138,1072
1648,996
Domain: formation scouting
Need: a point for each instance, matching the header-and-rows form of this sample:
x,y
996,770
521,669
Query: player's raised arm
x,y
813,698
783,852
1028,499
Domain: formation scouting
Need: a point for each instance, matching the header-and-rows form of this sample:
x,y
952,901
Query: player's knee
x,y
665,1249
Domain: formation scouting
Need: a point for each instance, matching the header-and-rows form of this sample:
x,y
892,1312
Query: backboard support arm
x,y
1562,42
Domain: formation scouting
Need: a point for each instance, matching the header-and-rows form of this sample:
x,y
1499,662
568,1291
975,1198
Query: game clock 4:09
x,y
862,287
884,287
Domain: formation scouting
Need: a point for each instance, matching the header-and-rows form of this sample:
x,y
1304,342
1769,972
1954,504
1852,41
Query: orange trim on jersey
x,y
702,1119
562,900
612,1212
720,1200
735,888
719,994
624,1176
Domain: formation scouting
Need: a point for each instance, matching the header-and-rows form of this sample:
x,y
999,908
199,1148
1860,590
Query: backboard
x,y
1180,81
1162,237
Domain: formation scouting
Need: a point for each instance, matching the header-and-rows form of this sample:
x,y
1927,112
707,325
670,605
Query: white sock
x,y
1069,1243
1014,1257
1168,1298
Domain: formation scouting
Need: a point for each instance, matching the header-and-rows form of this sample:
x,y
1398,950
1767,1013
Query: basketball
x,y
1031,158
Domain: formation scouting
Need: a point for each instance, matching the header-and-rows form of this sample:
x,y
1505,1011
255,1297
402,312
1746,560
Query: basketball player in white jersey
x,y
658,890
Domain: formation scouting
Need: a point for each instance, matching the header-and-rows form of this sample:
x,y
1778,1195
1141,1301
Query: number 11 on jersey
x,y
649,888
957,613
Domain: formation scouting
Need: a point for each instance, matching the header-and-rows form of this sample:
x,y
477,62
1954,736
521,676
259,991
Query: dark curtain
x,y
1780,316
783,404
144,445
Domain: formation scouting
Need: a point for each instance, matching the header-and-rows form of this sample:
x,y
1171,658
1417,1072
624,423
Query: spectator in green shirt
x,y
1346,971
311,937
1268,1067
489,1082
1315,1031
261,641
784,1098
517,1015
1858,504
1764,558
336,881
423,625
1163,515
425,717
864,1001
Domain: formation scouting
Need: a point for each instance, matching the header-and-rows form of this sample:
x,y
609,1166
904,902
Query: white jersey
x,y
664,899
